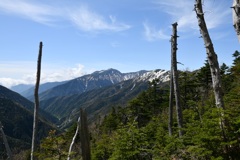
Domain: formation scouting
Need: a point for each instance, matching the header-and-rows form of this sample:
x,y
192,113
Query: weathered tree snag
x,y
84,136
73,140
236,17
175,78
9,153
214,67
170,118
211,55
36,106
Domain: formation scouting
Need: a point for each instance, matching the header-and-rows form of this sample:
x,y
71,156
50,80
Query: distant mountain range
x,y
28,90
96,80
97,92
21,87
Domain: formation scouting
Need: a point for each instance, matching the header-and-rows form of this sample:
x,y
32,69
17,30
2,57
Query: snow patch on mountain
x,y
162,75
133,86
132,75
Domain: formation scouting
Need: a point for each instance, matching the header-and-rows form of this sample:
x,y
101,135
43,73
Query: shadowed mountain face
x,y
5,93
16,115
8,94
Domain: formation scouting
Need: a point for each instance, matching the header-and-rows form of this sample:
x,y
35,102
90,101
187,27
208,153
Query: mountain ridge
x,y
43,87
21,87
97,79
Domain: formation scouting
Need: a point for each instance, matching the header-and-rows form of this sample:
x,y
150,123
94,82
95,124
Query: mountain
x,y
29,93
6,93
16,115
21,87
99,101
18,123
27,90
96,80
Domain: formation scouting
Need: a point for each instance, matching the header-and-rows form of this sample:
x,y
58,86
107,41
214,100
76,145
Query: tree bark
x,y
84,136
36,106
236,17
175,79
170,118
9,153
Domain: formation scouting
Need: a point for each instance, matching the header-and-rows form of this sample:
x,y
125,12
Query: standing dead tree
x,y
36,106
214,67
236,17
175,78
73,140
9,153
84,136
211,55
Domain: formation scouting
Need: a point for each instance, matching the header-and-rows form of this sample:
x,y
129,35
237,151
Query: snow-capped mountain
x,y
96,80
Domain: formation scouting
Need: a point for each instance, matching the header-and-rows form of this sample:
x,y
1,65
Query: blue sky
x,y
81,36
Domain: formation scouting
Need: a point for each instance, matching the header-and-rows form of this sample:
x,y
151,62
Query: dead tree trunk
x,y
236,17
9,153
214,67
84,136
212,56
175,79
73,140
36,106
170,118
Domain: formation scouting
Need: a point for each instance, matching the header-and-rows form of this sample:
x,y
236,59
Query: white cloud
x,y
63,74
81,16
76,71
53,75
88,20
152,34
8,82
40,13
216,13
